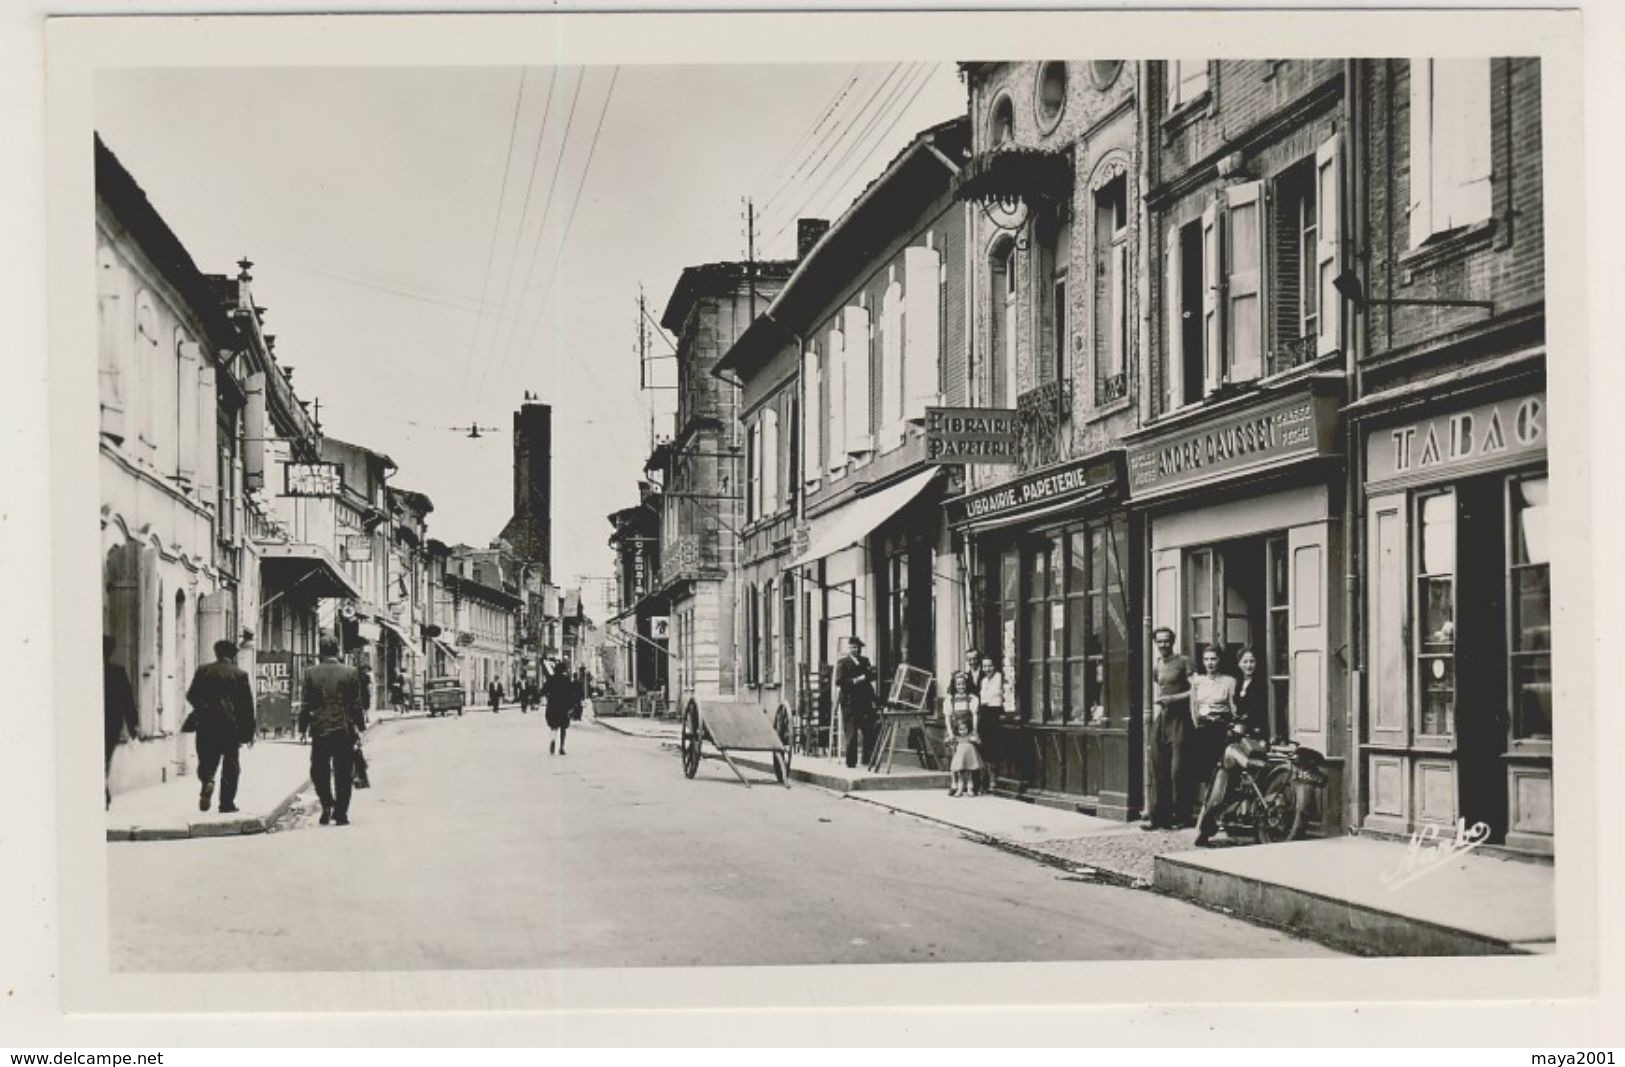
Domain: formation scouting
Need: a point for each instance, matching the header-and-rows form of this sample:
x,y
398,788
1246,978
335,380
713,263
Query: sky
x,y
429,243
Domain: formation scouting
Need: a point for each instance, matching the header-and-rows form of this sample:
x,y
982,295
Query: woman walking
x,y
959,708
561,696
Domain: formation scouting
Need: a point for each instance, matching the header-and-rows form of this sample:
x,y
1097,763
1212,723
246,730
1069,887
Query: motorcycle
x,y
1268,786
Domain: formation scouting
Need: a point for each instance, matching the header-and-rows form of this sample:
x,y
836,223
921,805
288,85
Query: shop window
x,y
1054,247
1296,226
1530,601
1436,609
1450,145
1075,642
1111,290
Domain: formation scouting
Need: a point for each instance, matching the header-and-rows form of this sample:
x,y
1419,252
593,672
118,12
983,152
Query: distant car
x,y
441,695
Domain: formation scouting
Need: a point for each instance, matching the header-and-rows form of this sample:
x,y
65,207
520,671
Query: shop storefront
x,y
1458,709
1241,506
1051,555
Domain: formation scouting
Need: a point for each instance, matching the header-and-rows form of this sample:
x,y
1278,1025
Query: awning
x,y
309,568
854,522
399,631
446,647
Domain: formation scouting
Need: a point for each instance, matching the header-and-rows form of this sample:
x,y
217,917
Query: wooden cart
x,y
736,728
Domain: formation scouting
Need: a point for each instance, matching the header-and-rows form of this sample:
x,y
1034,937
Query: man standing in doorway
x,y
118,709
223,703
855,679
332,708
1170,733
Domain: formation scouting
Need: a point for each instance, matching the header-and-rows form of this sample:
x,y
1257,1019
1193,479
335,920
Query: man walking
x,y
223,703
1170,735
118,709
855,679
332,709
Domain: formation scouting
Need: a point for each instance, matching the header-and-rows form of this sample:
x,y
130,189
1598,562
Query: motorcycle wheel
x,y
1278,817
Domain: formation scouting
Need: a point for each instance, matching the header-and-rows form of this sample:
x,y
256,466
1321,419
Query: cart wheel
x,y
690,743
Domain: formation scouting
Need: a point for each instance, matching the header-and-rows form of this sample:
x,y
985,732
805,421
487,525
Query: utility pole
x,y
750,253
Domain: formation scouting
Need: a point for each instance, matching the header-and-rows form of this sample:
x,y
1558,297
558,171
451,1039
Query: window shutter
x,y
1461,177
1308,549
753,471
1329,244
837,401
1387,620
1244,303
208,434
1172,303
1119,306
891,362
112,341
770,461
189,359
254,433
922,339
859,395
1212,307
811,415
1421,198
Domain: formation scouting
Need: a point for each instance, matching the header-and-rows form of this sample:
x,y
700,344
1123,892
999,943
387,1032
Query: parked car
x,y
441,695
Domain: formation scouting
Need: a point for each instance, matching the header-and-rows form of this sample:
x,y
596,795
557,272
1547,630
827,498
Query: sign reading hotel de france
x,y
972,436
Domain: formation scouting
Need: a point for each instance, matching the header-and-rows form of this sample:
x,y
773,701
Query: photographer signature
x,y
1427,852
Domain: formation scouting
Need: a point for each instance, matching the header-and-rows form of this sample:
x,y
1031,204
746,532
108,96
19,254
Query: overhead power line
x,y
883,140
809,135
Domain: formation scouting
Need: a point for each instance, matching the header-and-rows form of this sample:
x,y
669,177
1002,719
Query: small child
x,y
960,711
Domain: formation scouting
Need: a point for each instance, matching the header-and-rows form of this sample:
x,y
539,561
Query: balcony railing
x,y
1043,415
1289,354
1111,387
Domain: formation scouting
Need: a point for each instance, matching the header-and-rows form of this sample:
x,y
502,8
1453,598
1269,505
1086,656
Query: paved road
x,y
477,849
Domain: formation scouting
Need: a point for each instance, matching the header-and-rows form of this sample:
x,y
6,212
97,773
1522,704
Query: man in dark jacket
x,y
118,709
855,679
223,703
331,706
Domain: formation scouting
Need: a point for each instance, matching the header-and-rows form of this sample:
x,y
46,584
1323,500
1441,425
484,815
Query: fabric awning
x,y
399,631
854,522
309,568
446,647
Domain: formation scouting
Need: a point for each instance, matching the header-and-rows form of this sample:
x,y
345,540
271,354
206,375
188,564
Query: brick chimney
x,y
808,231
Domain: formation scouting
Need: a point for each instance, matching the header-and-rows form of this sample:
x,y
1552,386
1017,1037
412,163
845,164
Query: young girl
x,y
960,710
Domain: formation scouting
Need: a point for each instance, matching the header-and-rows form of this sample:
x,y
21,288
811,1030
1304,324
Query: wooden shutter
x,y
1243,288
1461,175
859,393
255,432
1212,305
811,415
1421,176
1173,307
1329,244
891,362
1388,627
837,401
1309,610
148,679
1119,310
113,336
189,358
753,475
922,333
207,412
769,460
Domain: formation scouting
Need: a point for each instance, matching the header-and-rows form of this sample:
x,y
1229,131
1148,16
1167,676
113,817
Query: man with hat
x,y
223,712
855,680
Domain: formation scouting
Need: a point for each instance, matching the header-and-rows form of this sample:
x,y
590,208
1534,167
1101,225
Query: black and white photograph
x,y
583,509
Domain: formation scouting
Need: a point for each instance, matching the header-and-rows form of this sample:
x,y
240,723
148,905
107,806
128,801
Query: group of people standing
x,y
1186,730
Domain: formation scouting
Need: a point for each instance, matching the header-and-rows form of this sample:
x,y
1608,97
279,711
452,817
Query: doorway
x,y
1237,599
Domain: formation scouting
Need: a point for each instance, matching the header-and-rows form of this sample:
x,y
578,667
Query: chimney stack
x,y
808,232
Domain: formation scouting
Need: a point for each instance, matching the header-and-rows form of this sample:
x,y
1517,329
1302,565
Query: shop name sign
x,y
1287,430
311,479
1487,435
972,435
1072,480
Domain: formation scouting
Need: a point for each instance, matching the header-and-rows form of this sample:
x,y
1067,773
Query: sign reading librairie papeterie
x,y
1080,480
311,479
972,435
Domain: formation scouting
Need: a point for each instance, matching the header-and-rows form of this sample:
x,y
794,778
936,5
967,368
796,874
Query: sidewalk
x,y
1331,889
273,773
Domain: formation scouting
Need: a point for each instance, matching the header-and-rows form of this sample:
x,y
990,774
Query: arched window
x,y
1051,94
1002,127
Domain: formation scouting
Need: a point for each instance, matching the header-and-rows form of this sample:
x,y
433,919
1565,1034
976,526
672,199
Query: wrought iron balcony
x,y
1043,416
1289,354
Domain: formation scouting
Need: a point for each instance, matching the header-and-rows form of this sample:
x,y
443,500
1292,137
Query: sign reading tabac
x,y
311,479
972,435
1458,442
1290,429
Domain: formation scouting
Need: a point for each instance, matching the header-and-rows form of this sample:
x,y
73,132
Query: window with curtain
x,y
1436,612
1530,606
1450,145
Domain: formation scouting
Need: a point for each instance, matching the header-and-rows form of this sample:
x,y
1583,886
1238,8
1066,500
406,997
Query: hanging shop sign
x,y
972,435
1455,443
357,548
1247,441
1076,481
311,479
464,638
660,627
